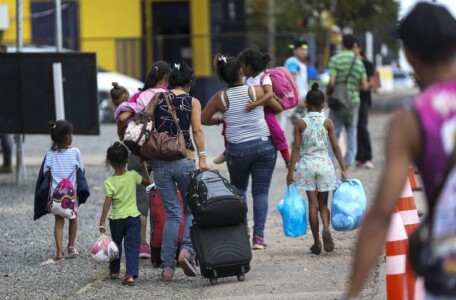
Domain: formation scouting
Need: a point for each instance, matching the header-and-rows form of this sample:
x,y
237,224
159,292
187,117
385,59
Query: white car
x,y
104,81
402,79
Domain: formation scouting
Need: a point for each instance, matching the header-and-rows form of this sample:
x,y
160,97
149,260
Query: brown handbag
x,y
162,145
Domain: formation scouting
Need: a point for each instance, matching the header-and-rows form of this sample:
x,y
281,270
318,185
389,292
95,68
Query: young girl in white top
x,y
63,161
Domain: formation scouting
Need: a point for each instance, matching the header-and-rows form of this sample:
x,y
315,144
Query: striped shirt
x,y
63,164
339,65
242,126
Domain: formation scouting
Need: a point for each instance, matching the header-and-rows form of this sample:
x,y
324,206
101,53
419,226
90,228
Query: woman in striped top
x,y
249,149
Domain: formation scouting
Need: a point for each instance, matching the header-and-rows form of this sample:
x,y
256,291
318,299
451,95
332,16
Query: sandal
x,y
328,243
56,259
128,280
72,251
315,249
113,275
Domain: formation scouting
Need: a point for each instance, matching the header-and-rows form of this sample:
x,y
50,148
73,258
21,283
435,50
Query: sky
x,y
406,6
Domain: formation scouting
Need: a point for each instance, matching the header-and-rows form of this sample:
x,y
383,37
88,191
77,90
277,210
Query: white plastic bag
x,y
104,249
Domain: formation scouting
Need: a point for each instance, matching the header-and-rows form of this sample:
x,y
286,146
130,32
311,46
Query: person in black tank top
x,y
171,173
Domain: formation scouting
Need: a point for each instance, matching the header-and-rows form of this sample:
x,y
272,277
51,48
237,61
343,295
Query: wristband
x,y
202,153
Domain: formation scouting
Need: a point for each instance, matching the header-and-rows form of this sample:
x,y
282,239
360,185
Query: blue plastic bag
x,y
348,205
294,212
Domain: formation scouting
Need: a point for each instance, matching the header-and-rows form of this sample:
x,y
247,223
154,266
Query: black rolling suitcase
x,y
222,251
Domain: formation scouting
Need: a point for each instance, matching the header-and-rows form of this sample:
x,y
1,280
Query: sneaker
x,y
220,159
258,243
187,263
5,170
368,165
72,251
168,274
359,164
144,251
128,280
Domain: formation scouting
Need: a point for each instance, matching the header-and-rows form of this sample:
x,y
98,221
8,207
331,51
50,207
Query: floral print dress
x,y
315,170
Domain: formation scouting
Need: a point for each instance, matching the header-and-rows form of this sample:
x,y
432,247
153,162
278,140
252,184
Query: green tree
x,y
293,17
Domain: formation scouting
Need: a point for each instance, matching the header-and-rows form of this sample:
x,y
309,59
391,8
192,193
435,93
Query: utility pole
x,y
271,29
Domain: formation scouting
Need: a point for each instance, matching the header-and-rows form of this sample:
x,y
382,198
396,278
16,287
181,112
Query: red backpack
x,y
283,87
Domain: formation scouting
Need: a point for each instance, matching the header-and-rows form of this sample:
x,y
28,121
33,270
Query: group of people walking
x,y
252,134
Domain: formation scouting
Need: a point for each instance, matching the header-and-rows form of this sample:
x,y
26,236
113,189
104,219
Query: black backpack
x,y
432,246
213,201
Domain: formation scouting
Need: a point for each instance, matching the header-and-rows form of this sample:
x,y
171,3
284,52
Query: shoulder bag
x,y
340,101
161,145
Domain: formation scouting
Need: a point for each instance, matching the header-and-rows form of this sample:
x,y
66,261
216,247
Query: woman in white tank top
x,y
249,150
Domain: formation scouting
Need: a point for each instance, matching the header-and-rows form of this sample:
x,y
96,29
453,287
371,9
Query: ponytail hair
x,y
258,60
315,97
59,133
227,68
158,72
117,93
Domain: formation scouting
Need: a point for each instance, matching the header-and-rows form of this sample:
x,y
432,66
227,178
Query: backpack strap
x,y
265,73
449,167
254,95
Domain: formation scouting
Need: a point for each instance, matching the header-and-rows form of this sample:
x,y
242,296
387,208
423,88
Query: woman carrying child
x,y
124,220
156,81
249,150
314,169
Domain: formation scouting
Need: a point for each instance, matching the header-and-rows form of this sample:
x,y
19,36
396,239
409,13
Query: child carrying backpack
x,y
57,188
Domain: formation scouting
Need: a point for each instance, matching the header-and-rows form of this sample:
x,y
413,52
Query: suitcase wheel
x,y
213,281
241,277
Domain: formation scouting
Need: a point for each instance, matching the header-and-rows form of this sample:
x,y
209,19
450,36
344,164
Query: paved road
x,y
286,270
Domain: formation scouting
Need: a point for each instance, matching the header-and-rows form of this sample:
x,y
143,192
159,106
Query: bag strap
x,y
449,167
350,70
173,112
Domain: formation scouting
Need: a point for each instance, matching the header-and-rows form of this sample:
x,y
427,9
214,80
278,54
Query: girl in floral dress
x,y
314,169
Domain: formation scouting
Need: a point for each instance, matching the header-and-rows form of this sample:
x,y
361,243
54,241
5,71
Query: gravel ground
x,y
286,270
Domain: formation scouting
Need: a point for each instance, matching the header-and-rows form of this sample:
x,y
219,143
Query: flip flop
x,y
328,243
315,249
56,259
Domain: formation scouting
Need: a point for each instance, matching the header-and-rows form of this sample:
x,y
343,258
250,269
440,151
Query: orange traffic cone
x,y
409,215
396,256
412,179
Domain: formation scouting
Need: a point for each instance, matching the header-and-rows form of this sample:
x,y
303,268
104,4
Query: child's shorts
x,y
317,175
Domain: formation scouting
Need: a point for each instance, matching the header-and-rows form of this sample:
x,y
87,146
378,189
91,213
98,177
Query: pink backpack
x,y
283,87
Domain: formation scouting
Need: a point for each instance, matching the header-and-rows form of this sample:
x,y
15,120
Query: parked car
x,y
402,79
104,81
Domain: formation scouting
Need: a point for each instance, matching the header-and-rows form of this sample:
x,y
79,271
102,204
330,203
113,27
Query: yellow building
x,y
128,35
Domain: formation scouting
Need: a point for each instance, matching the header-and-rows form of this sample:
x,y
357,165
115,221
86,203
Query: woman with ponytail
x,y
314,169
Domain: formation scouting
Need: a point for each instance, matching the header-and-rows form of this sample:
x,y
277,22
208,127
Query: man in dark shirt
x,y
364,150
6,142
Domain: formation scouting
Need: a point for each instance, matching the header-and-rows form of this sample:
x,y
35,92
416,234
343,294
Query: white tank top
x,y
243,126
